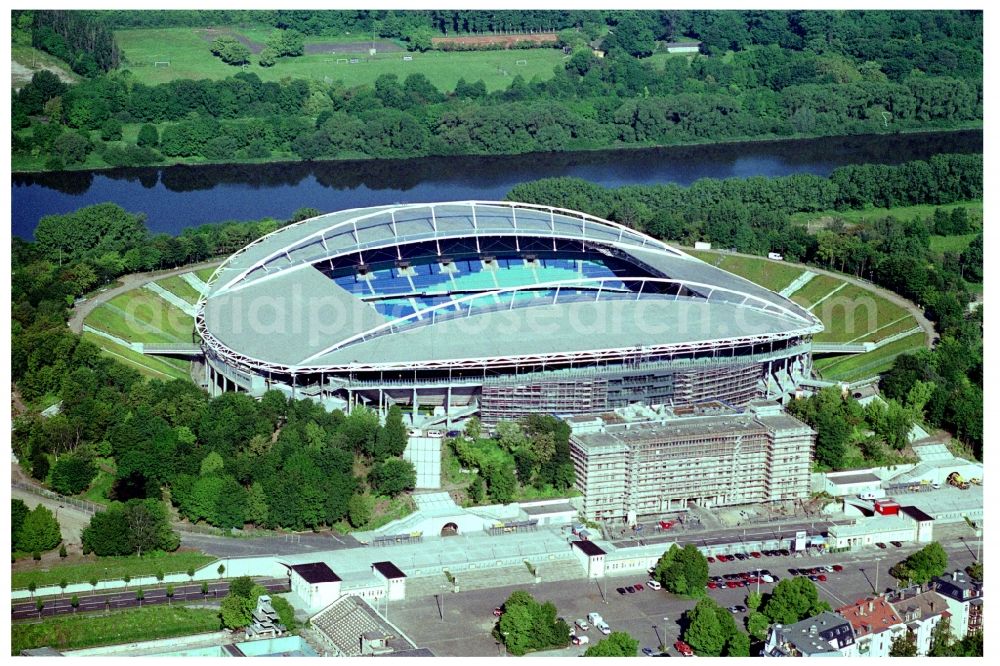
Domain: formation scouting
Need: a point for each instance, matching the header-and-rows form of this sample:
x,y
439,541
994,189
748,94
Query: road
x,y
765,531
126,599
278,544
930,335
128,283
468,616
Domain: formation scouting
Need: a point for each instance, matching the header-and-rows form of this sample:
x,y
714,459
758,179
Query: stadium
x,y
492,308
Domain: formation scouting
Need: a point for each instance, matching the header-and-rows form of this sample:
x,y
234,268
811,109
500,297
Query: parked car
x,y
621,590
813,577
582,624
880,545
767,578
712,585
732,584
897,544
581,640
828,568
497,612
710,559
638,587
647,651
755,554
741,556
604,628
785,552
653,585
822,578
630,589
683,648
837,567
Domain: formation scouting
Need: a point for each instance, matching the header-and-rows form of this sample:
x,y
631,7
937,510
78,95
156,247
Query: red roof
x,y
870,616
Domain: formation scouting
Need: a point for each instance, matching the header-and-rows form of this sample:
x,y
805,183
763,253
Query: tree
x,y
360,509
221,570
704,633
526,625
159,576
39,605
757,625
922,566
617,644
149,136
74,601
286,613
212,464
683,571
754,600
63,584
62,551
190,573
942,640
477,493
501,482
256,506
473,428
71,148
738,645
139,596
93,583
267,57
230,50
794,599
233,612
241,586
18,512
40,531
170,593
393,477
904,645
392,438
73,473
32,586
111,129
128,579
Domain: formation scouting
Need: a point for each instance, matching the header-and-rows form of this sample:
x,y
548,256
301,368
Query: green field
x,y
91,630
774,275
33,59
108,568
859,366
821,218
190,58
140,315
816,289
179,287
951,243
205,273
156,367
854,313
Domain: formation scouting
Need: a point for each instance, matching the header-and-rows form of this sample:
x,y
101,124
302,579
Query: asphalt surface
x,y
279,544
698,537
468,616
26,610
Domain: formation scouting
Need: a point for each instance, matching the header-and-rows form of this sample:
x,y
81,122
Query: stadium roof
x,y
269,309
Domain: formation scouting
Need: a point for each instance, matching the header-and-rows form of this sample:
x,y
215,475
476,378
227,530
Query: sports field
x,y
187,50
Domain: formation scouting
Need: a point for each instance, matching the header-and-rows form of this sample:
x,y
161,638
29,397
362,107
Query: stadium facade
x,y
495,308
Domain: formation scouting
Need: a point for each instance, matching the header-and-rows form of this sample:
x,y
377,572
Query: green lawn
x,y
205,273
190,58
855,312
859,366
885,331
158,367
91,630
815,289
140,315
975,209
99,487
176,285
774,275
106,568
951,243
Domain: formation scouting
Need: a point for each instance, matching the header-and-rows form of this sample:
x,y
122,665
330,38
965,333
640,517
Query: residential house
x,y
823,635
876,624
964,597
921,611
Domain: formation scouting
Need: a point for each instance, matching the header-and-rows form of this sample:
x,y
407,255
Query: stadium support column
x,y
414,404
447,408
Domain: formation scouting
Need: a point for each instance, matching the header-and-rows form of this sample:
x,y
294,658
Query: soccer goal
x,y
161,63
522,62
342,61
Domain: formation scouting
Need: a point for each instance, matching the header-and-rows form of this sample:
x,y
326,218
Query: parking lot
x,y
468,616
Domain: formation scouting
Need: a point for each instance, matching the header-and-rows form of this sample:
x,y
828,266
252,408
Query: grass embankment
x,y
108,568
32,60
774,275
178,287
158,367
857,314
140,315
859,366
816,289
141,624
951,243
204,274
188,52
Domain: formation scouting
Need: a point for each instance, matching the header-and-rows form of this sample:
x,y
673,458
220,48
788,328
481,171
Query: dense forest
x,y
762,75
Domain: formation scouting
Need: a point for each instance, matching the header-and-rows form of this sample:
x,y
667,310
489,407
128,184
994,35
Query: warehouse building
x,y
641,461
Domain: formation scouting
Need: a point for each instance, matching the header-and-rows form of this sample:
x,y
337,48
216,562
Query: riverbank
x,y
24,164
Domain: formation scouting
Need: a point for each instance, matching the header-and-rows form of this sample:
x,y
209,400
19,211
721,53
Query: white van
x,y
653,585
595,618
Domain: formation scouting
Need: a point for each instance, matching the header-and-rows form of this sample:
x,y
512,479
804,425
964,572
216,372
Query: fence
x,y
82,505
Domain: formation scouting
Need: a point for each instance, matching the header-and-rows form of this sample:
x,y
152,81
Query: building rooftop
x,y
589,548
389,570
877,523
849,479
958,586
823,633
315,572
870,616
913,605
916,514
346,621
545,509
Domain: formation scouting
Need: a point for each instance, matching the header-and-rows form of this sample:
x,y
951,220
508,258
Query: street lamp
x,y
659,641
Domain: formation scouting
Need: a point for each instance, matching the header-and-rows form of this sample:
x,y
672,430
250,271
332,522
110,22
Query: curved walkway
x,y
930,334
128,283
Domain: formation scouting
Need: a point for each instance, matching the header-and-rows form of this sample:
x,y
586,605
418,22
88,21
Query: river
x,y
181,196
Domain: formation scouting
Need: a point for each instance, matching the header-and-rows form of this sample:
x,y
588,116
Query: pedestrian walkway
x,y
797,283
195,281
171,297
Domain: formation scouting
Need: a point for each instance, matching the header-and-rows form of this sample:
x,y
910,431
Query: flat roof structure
x,y
545,509
589,548
850,479
916,514
315,572
389,570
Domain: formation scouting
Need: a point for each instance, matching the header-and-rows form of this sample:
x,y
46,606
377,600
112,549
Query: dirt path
x,y
128,283
930,335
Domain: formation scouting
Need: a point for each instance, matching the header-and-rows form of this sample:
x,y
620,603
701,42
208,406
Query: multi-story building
x,y
964,597
823,635
641,461
921,611
875,625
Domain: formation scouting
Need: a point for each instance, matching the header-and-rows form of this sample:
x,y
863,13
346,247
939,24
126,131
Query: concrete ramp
x,y
171,297
797,283
195,281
